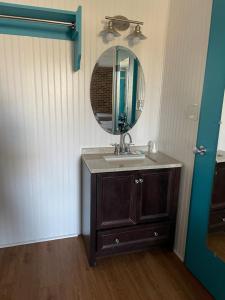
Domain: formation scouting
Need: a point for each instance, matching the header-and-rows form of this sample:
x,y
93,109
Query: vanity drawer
x,y
132,238
217,221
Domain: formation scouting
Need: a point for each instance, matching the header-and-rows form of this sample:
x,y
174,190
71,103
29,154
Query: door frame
x,y
208,268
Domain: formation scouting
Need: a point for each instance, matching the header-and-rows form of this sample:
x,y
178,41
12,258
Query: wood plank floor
x,y
59,270
216,243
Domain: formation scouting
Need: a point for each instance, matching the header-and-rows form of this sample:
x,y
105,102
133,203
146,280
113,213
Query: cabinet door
x,y
158,195
116,194
218,199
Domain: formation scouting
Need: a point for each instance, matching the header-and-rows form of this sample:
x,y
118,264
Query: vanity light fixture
x,y
121,23
109,33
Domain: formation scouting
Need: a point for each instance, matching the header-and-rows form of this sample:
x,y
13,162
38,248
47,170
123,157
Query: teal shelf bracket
x,y
77,39
43,22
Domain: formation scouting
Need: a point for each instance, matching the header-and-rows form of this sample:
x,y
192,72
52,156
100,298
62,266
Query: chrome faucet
x,y
125,147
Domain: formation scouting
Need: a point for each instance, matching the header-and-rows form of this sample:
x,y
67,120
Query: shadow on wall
x,y
12,171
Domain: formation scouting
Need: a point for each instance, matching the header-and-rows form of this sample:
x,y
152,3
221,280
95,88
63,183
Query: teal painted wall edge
x,y
34,29
134,93
209,269
78,39
36,11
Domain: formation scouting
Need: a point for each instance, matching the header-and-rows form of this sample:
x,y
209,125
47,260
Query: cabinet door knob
x,y
223,220
141,180
136,181
117,241
156,233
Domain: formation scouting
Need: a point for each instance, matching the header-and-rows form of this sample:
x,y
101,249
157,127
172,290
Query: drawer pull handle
x,y
141,180
117,241
136,181
223,220
156,233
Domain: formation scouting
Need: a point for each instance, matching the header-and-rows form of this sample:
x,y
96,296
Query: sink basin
x,y
122,157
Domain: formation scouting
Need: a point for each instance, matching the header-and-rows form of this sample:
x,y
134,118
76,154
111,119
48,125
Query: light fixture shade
x,y
136,35
109,32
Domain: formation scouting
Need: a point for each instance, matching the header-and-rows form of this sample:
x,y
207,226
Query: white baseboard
x,y
38,241
181,257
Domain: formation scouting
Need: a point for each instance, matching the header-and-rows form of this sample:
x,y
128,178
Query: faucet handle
x,y
127,147
114,144
116,149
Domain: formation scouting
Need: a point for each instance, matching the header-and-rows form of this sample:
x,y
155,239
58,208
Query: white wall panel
x,y
46,117
186,49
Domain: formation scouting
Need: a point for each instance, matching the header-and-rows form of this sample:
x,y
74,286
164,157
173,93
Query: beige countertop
x,y
220,157
97,164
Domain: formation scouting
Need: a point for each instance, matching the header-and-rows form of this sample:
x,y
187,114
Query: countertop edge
x,y
171,166
168,165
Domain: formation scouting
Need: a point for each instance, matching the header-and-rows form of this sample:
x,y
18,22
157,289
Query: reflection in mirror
x,y
216,230
117,90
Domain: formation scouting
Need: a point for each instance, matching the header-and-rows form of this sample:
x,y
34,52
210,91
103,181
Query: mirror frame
x,y
201,261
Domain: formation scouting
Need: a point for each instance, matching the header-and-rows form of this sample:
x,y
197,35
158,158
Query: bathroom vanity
x,y
128,205
129,197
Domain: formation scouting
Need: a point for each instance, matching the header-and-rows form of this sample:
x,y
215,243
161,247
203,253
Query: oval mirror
x,y
117,90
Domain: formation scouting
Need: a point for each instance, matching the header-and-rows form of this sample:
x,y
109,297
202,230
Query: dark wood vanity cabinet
x,y
128,211
217,214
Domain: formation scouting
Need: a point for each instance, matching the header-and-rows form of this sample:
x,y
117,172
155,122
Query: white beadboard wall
x,y
46,116
186,50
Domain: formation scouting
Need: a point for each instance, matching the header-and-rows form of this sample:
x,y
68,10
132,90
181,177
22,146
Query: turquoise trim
x,y
134,93
34,29
77,37
122,92
209,269
36,12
